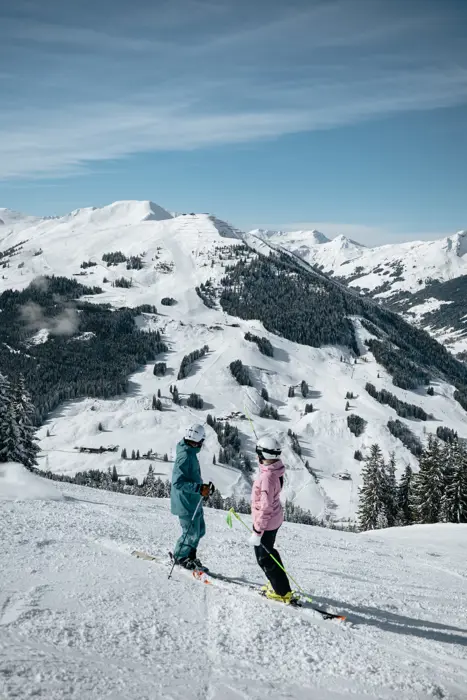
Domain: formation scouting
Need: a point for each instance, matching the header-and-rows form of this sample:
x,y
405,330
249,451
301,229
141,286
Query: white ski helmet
x,y
195,433
268,447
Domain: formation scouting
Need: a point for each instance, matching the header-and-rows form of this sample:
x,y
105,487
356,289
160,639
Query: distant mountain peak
x,y
127,211
344,242
318,238
304,237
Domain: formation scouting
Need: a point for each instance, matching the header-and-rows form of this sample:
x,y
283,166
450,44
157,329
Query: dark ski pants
x,y
274,573
196,529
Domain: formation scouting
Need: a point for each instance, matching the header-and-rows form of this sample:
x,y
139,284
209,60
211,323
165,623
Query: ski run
x,y
82,619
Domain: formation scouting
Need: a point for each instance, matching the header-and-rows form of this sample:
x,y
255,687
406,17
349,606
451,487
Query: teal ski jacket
x,y
186,481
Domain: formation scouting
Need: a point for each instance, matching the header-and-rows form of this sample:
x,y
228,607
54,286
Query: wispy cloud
x,y
191,73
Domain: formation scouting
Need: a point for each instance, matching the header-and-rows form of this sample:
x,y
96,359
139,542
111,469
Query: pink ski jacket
x,y
266,508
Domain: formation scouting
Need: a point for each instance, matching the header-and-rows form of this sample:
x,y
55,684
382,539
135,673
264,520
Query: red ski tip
x,y
201,576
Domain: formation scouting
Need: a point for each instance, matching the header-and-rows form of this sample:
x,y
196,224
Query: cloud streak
x,y
186,75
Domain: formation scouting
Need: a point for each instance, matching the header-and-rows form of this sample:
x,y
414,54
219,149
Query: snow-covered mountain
x,y
408,275
82,619
185,258
295,238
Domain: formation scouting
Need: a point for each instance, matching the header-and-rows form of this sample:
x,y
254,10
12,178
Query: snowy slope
x,y
369,268
81,619
388,272
179,254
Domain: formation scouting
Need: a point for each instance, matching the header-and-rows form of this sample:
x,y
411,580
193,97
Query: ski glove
x,y
206,490
254,539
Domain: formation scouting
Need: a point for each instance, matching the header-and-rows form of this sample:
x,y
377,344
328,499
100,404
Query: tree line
x,y
263,344
403,409
189,359
437,493
154,487
91,349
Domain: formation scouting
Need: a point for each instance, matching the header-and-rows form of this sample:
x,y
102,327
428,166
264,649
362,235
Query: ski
x,y
307,606
209,577
329,615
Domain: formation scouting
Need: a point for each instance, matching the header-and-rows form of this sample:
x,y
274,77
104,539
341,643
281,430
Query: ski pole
x,y
251,422
229,523
211,491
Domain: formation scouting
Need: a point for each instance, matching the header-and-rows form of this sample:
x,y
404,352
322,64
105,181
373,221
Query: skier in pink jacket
x,y
268,516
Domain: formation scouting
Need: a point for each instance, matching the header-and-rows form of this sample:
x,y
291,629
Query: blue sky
x,y
347,115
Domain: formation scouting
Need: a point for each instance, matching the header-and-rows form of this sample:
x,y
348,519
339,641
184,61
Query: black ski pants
x,y
274,573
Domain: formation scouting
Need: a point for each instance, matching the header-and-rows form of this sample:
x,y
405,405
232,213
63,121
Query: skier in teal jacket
x,y
186,495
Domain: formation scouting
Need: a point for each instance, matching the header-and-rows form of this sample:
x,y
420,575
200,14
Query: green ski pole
x,y
251,421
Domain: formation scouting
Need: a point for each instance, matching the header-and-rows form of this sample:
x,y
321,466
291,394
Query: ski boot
x,y
191,564
198,565
289,598
186,563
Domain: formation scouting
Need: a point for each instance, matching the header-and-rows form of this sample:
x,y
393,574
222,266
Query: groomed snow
x,y
82,619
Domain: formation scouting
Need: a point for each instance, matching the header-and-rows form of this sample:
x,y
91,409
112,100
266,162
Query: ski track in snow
x,y
80,618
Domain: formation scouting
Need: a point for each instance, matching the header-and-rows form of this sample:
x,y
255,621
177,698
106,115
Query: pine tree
x,y
429,484
159,405
291,393
17,433
216,500
150,482
347,406
404,497
159,394
391,506
138,456
114,474
9,435
454,498
100,427
214,459
124,454
24,411
166,457
133,454
264,394
304,389
371,510
154,403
